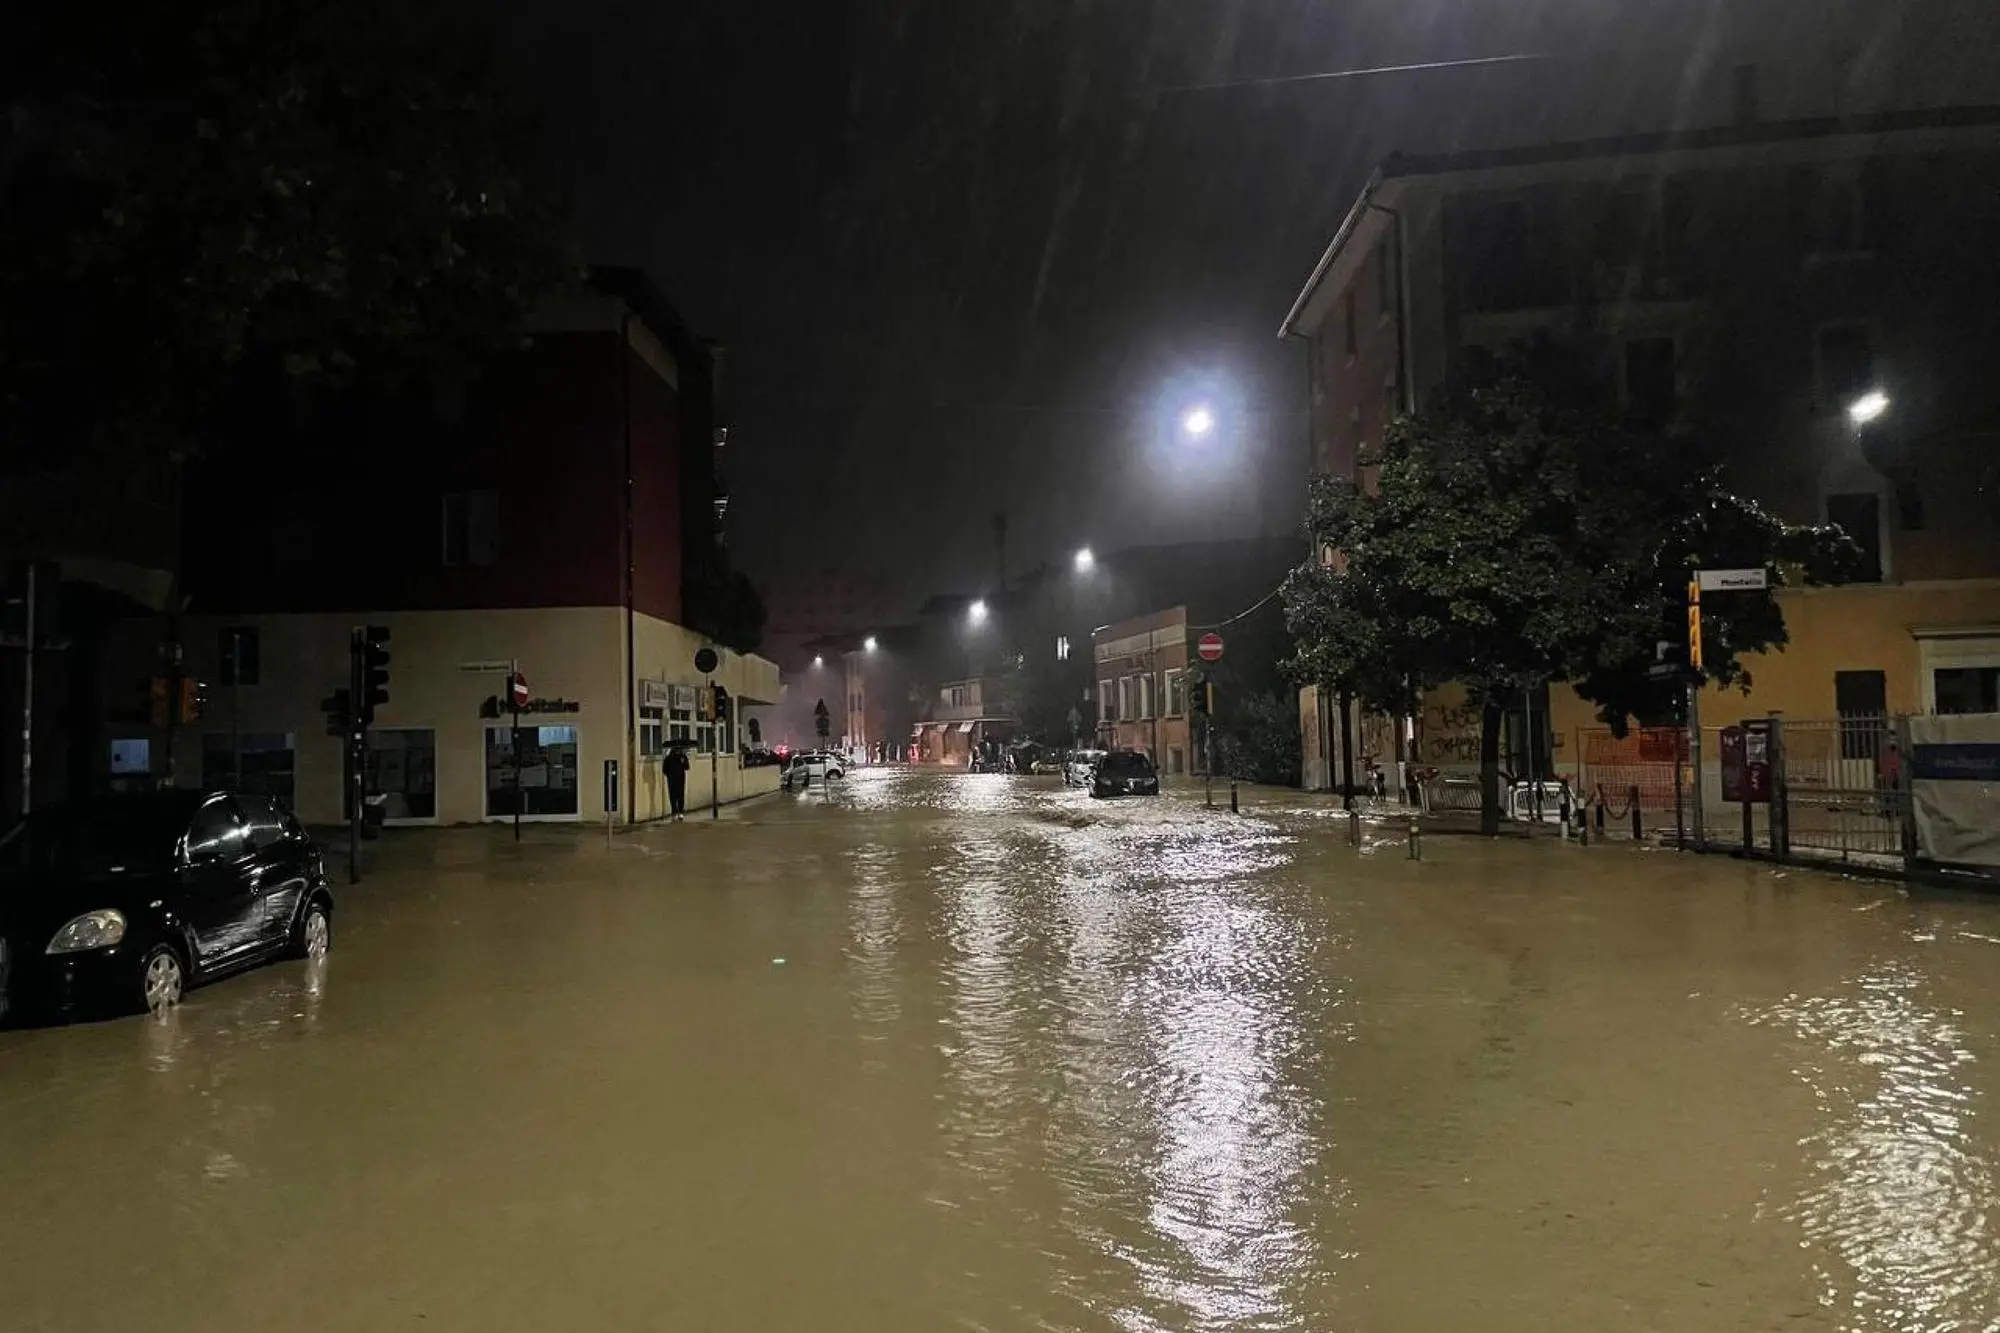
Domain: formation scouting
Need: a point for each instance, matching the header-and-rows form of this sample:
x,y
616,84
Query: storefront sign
x,y
495,706
685,697
654,693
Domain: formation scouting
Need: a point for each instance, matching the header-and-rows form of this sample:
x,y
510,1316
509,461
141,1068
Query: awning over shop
x,y
965,726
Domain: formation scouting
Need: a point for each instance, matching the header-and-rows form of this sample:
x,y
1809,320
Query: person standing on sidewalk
x,y
677,781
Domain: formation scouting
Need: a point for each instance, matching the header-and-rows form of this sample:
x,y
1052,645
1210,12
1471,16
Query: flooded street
x,y
949,1052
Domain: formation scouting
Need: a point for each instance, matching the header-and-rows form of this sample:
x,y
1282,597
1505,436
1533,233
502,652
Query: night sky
x,y
971,254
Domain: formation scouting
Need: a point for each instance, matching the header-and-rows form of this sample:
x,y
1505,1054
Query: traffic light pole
x,y
514,740
356,785
28,696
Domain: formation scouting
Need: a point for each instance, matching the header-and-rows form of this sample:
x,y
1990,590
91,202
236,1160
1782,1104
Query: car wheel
x,y
313,935
162,979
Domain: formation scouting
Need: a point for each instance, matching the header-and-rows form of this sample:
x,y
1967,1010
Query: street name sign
x,y
1733,580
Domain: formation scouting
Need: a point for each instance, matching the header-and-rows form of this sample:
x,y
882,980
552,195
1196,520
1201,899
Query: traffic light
x,y
193,696
718,703
374,671
1204,698
338,707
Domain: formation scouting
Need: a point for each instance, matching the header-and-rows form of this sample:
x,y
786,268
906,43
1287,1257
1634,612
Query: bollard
x,y
1638,833
1583,826
1416,840
1232,798
1354,828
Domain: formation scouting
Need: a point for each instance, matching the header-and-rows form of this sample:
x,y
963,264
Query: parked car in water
x,y
810,766
120,903
1081,767
1125,773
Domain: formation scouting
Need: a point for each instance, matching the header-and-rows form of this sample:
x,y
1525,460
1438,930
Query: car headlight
x,y
93,930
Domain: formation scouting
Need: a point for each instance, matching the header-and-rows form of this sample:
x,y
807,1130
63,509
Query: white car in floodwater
x,y
812,766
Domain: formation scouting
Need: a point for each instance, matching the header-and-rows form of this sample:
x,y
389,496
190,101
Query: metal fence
x,y
1838,788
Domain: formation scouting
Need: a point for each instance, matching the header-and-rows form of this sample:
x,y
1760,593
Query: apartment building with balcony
x,y
1756,282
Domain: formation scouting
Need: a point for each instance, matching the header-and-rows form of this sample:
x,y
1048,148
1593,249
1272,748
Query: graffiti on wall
x,y
1450,733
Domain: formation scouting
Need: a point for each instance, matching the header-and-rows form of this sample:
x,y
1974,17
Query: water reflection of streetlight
x,y
1868,407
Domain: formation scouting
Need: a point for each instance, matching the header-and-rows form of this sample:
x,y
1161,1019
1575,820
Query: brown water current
x,y
977,1053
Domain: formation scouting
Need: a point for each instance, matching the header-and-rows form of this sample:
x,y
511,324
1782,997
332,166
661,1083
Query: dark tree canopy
x,y
1516,534
190,192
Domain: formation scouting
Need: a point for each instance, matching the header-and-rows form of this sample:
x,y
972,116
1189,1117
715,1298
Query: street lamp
x,y
1085,561
1198,422
1868,407
818,661
868,645
976,613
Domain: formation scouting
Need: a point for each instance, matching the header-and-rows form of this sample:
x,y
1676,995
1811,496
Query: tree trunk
x,y
1490,718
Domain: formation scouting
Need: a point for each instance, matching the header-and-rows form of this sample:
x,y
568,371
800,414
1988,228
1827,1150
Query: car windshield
x,y
1126,765
94,838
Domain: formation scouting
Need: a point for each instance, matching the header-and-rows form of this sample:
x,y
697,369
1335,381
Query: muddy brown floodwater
x,y
977,1053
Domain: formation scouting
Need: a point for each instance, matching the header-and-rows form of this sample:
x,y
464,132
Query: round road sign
x,y
1210,647
517,690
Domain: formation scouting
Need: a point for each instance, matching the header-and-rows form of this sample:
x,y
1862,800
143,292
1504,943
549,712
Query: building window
x,y
1107,704
1176,761
1385,278
237,651
1844,355
1832,214
131,756
958,696
1974,689
1862,700
680,714
1125,697
1353,337
1062,647
542,776
402,770
1176,693
652,733
1650,386
1146,700
1859,515
471,525
266,769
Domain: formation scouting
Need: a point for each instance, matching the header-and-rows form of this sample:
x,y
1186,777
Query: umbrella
x,y
681,743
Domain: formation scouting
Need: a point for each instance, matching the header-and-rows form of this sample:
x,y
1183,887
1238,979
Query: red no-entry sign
x,y
517,690
1210,647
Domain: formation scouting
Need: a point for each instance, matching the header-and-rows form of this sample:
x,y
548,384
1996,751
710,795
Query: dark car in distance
x,y
1125,773
119,903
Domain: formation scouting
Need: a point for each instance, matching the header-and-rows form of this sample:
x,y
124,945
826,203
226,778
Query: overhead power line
x,y
1368,72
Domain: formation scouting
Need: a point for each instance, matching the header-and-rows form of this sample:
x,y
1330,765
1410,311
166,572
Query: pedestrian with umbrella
x,y
677,777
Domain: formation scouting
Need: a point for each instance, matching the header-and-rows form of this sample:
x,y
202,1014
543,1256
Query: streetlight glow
x,y
1199,421
1085,561
868,644
977,612
1867,407
818,661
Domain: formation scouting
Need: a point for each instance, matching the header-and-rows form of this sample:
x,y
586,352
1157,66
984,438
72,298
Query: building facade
x,y
1756,282
963,720
536,522
1143,689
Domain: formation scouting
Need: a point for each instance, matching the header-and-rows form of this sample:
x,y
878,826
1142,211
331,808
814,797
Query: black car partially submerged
x,y
123,902
1125,773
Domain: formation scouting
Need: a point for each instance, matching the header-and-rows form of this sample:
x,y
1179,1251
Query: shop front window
x,y
652,733
266,768
543,776
402,769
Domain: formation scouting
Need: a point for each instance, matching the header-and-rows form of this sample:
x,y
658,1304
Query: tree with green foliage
x,y
192,195
1512,536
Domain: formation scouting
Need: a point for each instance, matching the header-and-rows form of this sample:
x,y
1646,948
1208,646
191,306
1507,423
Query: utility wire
x,y
1356,73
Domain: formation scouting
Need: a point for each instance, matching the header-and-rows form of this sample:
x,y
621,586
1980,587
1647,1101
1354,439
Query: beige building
x,y
442,751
